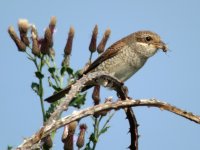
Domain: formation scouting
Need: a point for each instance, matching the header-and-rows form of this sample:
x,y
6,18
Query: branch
x,y
87,80
133,128
46,130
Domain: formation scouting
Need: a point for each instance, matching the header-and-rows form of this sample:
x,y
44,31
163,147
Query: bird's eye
x,y
148,38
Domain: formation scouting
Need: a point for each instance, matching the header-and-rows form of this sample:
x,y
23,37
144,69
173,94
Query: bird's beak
x,y
163,46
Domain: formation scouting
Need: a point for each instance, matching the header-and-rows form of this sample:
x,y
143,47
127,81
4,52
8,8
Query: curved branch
x,y
46,130
87,80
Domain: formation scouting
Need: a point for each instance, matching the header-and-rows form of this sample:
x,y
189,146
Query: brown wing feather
x,y
109,53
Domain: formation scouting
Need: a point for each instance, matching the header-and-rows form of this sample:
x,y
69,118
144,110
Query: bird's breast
x,y
122,66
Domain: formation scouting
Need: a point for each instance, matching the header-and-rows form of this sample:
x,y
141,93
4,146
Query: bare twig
x,y
46,130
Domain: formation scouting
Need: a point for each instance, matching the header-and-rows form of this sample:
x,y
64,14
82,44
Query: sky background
x,y
171,77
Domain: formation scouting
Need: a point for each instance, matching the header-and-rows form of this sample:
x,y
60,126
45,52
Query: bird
x,y
123,58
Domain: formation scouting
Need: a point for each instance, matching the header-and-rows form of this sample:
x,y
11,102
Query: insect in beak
x,y
163,46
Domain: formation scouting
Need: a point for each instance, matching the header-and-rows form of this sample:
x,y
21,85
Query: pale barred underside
x,y
128,61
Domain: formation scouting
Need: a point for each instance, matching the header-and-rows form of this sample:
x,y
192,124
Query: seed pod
x,y
102,44
81,138
23,26
20,45
93,42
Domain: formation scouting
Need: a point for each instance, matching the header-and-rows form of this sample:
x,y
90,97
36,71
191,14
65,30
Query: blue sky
x,y
172,77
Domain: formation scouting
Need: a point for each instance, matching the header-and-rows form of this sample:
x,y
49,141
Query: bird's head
x,y
148,43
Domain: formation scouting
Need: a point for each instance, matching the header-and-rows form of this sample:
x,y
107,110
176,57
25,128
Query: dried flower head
x,y
66,61
81,138
95,95
47,42
68,46
69,129
68,144
35,43
52,24
72,127
48,37
52,52
34,30
83,127
102,44
47,142
65,133
23,26
104,113
67,137
20,45
93,42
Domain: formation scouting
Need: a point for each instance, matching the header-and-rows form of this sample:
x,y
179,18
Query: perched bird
x,y
124,58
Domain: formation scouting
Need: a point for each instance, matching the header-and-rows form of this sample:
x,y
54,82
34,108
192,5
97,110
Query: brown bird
x,y
124,58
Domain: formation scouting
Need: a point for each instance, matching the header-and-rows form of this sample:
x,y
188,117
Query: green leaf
x,y
51,109
78,100
57,89
87,147
39,75
52,70
62,71
104,130
35,87
9,147
49,81
92,137
77,74
69,70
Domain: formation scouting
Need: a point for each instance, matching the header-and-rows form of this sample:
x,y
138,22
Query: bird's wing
x,y
109,53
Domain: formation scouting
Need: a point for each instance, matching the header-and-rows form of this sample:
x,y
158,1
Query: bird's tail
x,y
62,93
58,95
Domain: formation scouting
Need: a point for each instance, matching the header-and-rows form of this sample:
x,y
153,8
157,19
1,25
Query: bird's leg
x,y
122,92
